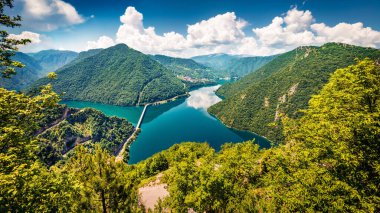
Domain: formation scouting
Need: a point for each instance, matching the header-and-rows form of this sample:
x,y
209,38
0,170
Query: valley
x,y
177,106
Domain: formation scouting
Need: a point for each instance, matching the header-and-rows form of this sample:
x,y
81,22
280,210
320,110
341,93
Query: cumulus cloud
x,y
355,34
287,32
33,37
224,33
102,42
38,41
47,15
214,35
298,28
220,29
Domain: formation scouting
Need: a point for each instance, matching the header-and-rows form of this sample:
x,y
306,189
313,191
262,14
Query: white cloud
x,y
297,28
38,41
287,32
355,34
133,33
216,34
33,37
220,29
224,33
102,42
47,15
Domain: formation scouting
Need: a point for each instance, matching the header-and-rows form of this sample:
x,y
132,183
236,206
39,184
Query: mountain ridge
x,y
282,87
130,71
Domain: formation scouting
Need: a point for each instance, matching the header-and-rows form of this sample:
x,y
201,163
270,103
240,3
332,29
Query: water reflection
x,y
203,98
154,111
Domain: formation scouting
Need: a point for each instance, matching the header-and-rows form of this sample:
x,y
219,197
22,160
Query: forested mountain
x,y
84,54
215,61
25,76
329,162
283,87
233,65
186,67
239,67
51,60
117,75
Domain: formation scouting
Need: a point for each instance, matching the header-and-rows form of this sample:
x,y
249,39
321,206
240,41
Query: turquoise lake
x,y
182,120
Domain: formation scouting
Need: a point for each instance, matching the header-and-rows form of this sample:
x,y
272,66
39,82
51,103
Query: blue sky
x,y
198,26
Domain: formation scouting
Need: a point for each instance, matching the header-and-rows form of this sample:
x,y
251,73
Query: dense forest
x,y
58,159
136,78
332,169
283,87
87,127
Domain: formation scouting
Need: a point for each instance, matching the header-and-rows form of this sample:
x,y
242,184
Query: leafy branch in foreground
x,y
9,45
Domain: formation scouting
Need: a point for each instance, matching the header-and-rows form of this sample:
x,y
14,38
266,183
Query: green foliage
x,y
101,182
86,125
52,75
136,78
329,163
282,87
8,45
25,184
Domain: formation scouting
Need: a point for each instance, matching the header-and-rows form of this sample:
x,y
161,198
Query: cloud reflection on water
x,y
203,98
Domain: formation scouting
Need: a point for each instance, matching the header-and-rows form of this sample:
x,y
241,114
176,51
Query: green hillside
x,y
283,87
51,60
186,67
25,76
68,127
118,75
329,163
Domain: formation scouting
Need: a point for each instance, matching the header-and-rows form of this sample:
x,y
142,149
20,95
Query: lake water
x,y
179,121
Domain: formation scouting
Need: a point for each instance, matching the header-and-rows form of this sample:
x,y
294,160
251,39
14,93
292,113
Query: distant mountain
x,y
86,54
51,60
239,67
117,75
283,87
185,67
216,61
25,76
233,65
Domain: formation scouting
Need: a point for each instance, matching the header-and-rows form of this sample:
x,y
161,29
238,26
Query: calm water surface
x,y
182,120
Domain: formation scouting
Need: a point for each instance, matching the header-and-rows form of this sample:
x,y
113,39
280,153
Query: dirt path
x,y
152,192
55,123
